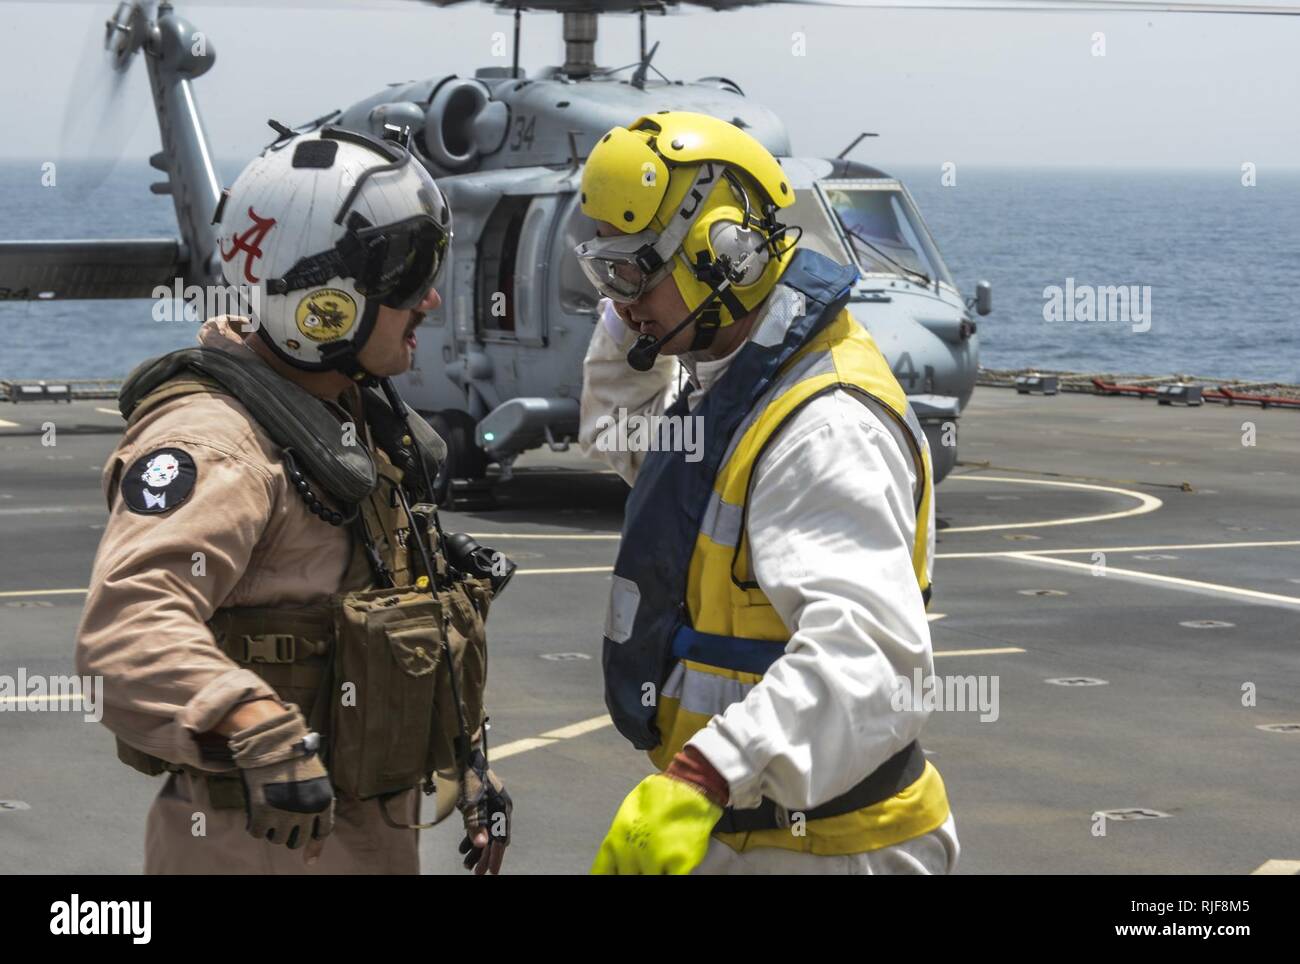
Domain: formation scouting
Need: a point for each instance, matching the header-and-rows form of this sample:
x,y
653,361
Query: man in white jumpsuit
x,y
829,524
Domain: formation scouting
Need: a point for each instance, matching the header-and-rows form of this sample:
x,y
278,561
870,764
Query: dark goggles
x,y
399,263
395,264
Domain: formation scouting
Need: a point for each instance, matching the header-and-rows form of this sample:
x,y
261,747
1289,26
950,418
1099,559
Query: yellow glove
x,y
662,827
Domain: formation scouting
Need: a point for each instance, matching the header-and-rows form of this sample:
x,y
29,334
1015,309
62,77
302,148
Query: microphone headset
x,y
641,356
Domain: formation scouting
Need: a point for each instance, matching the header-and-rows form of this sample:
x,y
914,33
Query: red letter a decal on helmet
x,y
251,243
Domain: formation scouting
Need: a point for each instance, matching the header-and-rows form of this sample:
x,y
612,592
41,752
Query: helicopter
x,y
499,369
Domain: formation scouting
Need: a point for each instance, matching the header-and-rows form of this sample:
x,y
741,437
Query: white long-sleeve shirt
x,y
831,525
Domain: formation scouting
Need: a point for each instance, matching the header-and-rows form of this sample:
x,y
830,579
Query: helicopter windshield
x,y
816,229
885,231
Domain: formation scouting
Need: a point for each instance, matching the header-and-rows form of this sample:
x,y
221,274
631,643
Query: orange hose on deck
x,y
1219,394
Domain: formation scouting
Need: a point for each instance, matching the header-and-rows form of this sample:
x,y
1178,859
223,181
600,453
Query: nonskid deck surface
x,y
1082,539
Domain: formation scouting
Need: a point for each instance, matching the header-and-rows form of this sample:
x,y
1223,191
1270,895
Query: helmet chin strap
x,y
342,357
719,274
707,325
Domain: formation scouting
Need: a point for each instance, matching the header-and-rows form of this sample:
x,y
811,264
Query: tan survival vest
x,y
391,676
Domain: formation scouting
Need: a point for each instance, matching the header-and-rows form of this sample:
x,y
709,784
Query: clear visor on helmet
x,y
398,263
611,264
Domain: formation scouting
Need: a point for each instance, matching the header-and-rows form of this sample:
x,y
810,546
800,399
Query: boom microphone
x,y
641,356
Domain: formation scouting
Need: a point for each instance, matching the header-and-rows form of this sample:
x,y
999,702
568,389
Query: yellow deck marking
x,y
997,651
1278,867
578,729
5,423
541,535
108,411
517,747
41,592
1146,503
15,700
553,572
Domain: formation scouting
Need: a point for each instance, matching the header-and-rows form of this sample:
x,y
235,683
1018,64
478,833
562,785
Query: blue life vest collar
x,y
664,511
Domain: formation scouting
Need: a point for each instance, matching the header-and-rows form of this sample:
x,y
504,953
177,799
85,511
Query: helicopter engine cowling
x,y
450,136
402,113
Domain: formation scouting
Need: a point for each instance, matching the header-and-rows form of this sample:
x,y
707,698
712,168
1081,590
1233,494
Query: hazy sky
x,y
967,87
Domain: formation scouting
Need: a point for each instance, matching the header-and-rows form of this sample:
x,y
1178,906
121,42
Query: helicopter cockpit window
x,y
819,233
497,248
885,231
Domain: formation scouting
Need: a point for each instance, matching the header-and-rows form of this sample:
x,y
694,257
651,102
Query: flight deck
x,y
1124,576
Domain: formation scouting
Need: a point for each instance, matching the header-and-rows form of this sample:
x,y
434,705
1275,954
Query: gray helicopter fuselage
x,y
500,362
507,344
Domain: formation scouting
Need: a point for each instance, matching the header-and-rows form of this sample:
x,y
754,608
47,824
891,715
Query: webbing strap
x,y
897,773
728,652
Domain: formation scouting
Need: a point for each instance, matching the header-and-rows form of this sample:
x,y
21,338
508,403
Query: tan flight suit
x,y
143,630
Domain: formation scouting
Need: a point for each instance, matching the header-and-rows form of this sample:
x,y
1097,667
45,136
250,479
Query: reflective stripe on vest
x,y
708,641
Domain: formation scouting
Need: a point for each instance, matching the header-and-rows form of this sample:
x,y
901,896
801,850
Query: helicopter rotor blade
x,y
1283,8
103,109
280,4
1288,8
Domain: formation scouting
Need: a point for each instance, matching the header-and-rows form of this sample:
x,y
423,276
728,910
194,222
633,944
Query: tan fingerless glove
x,y
287,793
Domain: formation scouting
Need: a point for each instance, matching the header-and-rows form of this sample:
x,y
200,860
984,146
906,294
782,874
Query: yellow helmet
x,y
695,197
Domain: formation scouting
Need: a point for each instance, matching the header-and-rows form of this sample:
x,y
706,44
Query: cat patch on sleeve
x,y
159,481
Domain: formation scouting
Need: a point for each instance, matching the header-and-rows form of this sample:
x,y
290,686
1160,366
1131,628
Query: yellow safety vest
x,y
722,598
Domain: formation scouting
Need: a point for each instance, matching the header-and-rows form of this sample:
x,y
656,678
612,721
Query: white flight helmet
x,y
331,224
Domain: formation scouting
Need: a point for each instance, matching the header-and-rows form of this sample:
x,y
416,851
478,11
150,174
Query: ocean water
x,y
1221,262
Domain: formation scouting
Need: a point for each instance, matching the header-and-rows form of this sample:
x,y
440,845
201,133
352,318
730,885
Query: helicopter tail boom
x,y
175,54
61,270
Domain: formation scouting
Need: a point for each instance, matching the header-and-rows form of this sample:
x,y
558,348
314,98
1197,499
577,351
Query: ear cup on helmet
x,y
737,242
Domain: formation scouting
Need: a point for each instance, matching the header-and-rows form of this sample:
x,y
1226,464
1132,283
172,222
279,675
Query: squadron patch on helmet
x,y
159,481
326,314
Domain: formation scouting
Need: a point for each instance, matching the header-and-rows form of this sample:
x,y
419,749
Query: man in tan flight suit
x,y
209,516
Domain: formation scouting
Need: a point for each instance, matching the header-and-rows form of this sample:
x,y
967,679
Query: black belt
x,y
898,772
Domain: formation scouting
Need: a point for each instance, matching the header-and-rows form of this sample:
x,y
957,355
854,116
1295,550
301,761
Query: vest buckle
x,y
270,648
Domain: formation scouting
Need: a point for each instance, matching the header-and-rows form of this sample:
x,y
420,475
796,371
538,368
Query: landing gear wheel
x,y
465,460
